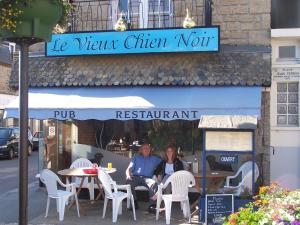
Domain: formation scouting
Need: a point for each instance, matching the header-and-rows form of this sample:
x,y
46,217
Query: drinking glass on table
x,y
109,165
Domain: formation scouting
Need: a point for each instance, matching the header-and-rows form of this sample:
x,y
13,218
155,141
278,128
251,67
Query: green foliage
x,y
181,133
11,12
245,216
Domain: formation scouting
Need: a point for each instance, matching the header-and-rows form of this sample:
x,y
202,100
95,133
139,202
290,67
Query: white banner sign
x,y
228,141
286,74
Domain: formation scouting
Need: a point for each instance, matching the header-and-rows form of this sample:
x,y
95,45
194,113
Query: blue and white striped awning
x,y
142,103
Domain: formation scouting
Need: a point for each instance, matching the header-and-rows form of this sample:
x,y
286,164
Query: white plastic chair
x,y
111,192
127,188
89,184
246,179
50,179
180,183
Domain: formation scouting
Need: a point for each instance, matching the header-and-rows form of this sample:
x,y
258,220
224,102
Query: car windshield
x,y
4,133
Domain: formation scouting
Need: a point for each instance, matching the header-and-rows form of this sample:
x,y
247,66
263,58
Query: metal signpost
x,y
23,122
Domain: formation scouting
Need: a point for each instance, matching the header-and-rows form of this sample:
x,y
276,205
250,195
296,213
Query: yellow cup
x,y
109,165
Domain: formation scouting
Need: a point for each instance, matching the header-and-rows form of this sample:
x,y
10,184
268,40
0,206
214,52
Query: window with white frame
x,y
147,13
159,13
287,103
287,54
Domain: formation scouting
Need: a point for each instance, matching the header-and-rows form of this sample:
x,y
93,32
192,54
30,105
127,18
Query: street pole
x,y
23,123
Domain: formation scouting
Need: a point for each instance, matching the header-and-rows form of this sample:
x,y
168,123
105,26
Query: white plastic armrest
x,y
163,186
229,178
159,191
234,187
114,184
123,186
71,185
229,187
62,184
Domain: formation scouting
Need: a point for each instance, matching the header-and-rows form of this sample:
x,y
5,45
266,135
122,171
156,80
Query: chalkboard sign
x,y
217,208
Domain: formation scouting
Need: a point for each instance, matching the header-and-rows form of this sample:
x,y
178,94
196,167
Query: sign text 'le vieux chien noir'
x,y
199,39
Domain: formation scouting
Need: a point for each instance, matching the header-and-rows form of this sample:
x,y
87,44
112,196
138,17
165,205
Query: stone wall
x,y
5,71
243,21
263,138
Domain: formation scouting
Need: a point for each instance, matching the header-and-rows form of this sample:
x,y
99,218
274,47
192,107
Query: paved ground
x,y
9,172
94,216
9,190
37,203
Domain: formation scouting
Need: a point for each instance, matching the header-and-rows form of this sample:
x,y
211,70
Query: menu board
x,y
217,208
228,141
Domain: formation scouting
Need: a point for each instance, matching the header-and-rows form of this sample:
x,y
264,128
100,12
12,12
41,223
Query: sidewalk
x,y
94,216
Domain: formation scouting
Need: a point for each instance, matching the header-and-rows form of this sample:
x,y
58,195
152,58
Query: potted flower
x,y
31,18
273,205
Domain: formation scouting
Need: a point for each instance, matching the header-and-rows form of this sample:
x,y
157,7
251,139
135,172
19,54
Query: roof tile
x,y
224,68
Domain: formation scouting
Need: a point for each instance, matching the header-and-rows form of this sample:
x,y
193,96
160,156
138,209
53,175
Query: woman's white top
x,y
169,169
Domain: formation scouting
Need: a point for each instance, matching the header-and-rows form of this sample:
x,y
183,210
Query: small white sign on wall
x,y
286,73
52,131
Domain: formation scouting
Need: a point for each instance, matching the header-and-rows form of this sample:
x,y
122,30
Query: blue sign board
x,y
229,159
198,39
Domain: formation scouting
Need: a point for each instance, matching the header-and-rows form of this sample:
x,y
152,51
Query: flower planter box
x,y
37,20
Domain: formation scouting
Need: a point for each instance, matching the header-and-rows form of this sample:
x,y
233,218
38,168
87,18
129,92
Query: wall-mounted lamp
x,y
121,24
188,21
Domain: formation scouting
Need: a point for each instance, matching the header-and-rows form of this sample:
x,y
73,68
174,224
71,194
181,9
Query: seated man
x,y
140,172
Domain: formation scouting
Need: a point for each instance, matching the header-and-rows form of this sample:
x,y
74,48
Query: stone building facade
x,y
6,93
244,60
5,69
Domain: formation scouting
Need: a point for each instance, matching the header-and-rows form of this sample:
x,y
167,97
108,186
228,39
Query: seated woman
x,y
170,164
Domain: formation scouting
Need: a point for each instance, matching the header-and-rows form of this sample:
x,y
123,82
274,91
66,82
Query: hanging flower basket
x,y
31,18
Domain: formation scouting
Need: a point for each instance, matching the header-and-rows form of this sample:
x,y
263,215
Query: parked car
x,y
9,142
36,138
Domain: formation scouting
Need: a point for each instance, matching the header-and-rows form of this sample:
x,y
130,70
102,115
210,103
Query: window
x,y
287,103
285,14
287,52
159,13
147,13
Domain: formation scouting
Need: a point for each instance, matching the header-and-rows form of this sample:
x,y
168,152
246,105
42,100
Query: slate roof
x,y
213,69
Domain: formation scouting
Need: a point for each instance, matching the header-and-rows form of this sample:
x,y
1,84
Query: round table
x,y
78,172
215,178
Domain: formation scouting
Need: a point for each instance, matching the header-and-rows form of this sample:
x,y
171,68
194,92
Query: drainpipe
x,y
208,12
